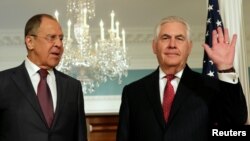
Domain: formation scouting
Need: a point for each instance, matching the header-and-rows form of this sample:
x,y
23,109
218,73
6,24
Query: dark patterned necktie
x,y
168,96
44,97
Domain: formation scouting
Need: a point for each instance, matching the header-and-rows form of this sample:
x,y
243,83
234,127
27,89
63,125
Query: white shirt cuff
x,y
231,77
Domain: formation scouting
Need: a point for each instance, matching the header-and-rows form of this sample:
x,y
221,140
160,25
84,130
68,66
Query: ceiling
x,y
130,13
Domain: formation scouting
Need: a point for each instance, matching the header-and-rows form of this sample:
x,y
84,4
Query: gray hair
x,y
171,19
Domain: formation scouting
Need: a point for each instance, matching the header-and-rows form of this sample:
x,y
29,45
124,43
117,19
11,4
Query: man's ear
x,y
29,42
154,47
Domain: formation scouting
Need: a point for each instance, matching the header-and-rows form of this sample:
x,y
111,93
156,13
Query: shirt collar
x,y
177,75
33,68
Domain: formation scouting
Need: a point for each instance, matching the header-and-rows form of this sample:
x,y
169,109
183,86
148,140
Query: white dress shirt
x,y
35,78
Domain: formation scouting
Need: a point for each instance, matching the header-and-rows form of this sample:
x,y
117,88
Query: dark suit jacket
x,y
21,118
200,101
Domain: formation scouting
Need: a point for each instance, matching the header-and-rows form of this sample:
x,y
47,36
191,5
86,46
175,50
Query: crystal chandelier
x,y
92,63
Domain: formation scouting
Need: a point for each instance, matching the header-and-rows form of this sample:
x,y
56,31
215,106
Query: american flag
x,y
213,21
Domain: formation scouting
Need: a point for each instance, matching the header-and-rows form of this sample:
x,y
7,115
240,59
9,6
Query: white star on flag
x,y
210,7
211,74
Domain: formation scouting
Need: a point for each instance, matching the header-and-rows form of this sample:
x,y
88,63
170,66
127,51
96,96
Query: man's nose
x,y
58,42
172,42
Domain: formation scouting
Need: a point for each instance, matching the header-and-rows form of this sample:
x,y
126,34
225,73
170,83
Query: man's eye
x,y
180,38
61,38
164,37
52,38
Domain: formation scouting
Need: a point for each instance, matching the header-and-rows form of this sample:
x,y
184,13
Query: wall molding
x,y
15,37
143,35
102,104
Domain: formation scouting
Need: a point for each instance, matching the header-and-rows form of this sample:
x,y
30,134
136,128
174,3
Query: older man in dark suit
x,y
191,103
49,108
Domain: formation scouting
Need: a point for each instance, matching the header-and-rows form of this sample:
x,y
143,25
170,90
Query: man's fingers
x,y
226,36
214,36
207,49
220,35
233,43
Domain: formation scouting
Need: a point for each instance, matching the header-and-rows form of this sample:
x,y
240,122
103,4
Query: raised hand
x,y
222,51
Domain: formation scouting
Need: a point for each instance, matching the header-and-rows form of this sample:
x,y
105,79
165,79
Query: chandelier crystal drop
x,y
92,63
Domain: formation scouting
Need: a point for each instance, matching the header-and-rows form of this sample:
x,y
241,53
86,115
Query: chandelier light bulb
x,y
57,15
69,27
123,40
85,16
112,20
101,30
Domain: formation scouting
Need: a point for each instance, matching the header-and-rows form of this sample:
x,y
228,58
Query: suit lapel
x,y
61,84
183,92
22,80
154,97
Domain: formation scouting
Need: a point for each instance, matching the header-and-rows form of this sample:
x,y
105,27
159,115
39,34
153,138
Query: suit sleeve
x,y
82,128
232,107
123,126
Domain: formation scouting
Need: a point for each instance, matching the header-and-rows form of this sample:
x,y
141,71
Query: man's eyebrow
x,y
167,35
180,35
